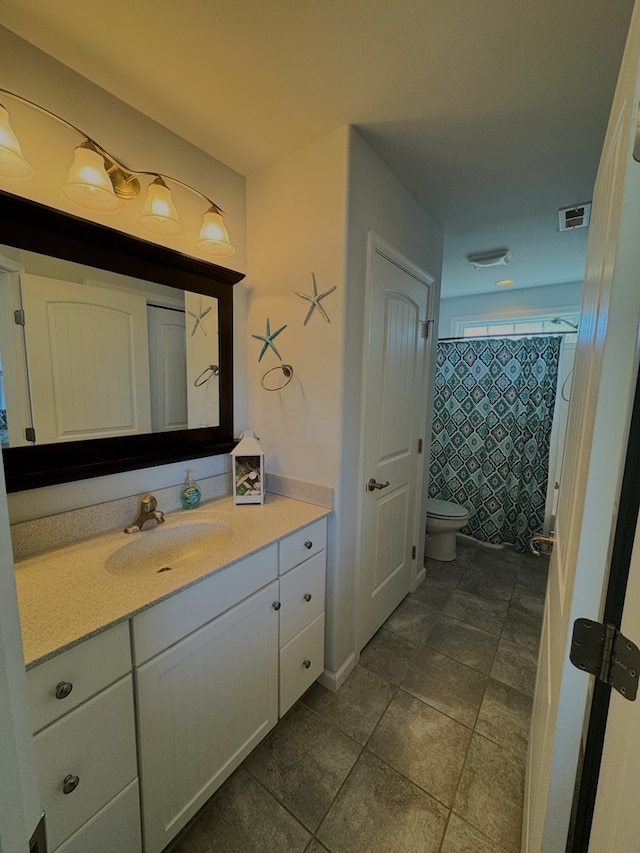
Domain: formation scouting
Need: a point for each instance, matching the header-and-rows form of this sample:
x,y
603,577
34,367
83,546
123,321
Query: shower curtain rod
x,y
510,335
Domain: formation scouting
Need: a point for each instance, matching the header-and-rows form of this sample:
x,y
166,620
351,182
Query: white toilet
x,y
444,519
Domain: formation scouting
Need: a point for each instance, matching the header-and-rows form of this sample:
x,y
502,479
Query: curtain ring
x,y
211,370
286,369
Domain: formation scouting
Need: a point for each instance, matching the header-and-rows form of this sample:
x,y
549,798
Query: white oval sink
x,y
168,546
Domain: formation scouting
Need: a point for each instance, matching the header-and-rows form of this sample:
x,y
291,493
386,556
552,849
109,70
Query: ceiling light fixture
x,y
97,181
494,258
505,282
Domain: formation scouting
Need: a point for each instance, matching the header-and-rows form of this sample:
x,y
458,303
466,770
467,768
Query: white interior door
x,y
167,368
394,410
88,358
601,398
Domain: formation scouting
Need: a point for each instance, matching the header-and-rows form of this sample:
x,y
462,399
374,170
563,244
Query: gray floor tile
x,y
464,643
303,762
505,717
316,847
489,581
446,685
491,792
434,591
522,628
450,573
412,620
483,613
460,837
242,817
388,655
515,665
424,745
356,707
379,810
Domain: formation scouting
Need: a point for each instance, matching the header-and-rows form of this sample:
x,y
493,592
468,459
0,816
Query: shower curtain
x,y
493,411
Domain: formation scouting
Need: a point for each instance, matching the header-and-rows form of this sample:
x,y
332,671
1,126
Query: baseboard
x,y
420,576
334,680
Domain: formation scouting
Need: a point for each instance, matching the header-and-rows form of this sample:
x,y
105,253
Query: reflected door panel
x,y
87,352
167,368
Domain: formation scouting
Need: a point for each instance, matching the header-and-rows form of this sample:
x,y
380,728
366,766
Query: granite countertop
x,y
67,595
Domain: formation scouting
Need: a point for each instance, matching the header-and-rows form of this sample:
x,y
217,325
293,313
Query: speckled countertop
x,y
68,595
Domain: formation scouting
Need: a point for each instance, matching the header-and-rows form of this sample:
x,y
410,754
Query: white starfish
x,y
315,300
199,317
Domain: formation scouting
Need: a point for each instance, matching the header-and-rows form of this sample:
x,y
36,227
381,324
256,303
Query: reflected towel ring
x,y
207,373
286,369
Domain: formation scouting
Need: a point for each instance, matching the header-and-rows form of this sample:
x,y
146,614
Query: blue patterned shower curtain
x,y
493,411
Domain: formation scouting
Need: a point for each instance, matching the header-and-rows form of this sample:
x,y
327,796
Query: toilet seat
x,y
445,509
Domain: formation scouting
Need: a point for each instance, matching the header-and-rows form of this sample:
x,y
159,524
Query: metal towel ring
x,y
211,370
286,369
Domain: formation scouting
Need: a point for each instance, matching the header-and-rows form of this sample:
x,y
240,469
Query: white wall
x,y
143,144
509,302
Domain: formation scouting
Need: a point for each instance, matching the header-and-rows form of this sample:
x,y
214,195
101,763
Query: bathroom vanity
x,y
156,664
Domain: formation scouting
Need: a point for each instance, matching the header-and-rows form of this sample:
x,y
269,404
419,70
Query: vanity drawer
x,y
87,668
301,596
303,544
301,662
95,743
118,822
165,623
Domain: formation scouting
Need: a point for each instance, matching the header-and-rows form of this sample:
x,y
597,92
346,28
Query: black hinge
x,y
38,841
425,325
413,553
30,434
419,445
603,651
18,317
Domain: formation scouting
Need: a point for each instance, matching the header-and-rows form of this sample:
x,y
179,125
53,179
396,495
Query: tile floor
x,y
422,749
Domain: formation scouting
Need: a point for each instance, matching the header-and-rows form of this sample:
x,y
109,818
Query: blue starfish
x,y
268,340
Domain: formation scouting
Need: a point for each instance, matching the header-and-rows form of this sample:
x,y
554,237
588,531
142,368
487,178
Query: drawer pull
x,y
306,663
276,605
63,688
70,783
308,544
307,596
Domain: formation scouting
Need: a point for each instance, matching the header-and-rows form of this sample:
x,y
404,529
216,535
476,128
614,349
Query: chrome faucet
x,y
148,512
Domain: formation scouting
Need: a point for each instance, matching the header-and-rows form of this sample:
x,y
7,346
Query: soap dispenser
x,y
191,493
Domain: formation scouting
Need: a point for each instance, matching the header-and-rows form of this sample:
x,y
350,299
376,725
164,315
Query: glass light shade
x,y
88,184
12,163
159,214
214,239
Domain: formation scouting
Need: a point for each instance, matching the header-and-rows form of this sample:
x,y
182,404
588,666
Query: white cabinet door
x,y
203,705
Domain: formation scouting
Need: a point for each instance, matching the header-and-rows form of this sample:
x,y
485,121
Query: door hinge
x,y
425,325
603,651
30,434
18,317
419,445
413,552
38,841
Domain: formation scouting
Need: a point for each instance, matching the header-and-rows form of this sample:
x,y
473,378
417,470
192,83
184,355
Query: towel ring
x,y
211,370
287,371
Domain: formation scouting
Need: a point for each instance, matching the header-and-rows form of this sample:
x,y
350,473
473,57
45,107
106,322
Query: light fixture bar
x,y
126,182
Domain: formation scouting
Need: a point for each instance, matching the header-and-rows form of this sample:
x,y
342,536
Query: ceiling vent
x,y
576,216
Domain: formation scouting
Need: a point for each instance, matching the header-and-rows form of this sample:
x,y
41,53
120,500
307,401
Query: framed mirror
x,y
115,353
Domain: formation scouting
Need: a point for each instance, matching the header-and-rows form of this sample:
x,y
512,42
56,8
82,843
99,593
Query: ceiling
x,y
492,113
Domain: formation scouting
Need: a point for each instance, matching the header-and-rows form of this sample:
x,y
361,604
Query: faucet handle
x,y
148,503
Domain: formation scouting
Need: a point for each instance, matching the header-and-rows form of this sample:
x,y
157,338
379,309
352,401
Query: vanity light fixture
x,y
97,181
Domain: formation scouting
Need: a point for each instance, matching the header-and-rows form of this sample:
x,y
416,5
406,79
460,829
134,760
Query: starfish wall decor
x,y
315,300
268,340
199,317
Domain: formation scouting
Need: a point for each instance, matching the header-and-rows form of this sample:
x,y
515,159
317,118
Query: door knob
x,y
372,485
537,541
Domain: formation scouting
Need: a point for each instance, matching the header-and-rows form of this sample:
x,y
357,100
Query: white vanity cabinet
x,y
208,692
302,570
83,717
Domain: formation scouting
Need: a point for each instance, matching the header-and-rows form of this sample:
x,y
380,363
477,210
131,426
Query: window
x,y
541,324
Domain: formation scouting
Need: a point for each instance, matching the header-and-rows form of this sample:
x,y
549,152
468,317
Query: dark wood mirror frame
x,y
28,225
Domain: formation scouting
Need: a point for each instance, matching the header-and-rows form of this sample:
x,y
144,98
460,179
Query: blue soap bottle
x,y
191,493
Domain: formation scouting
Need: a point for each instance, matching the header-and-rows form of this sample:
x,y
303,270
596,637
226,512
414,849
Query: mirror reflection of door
x,y
88,360
167,368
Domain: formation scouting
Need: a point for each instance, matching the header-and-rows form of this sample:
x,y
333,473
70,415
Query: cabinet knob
x,y
63,688
307,596
70,783
308,544
306,663
276,605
